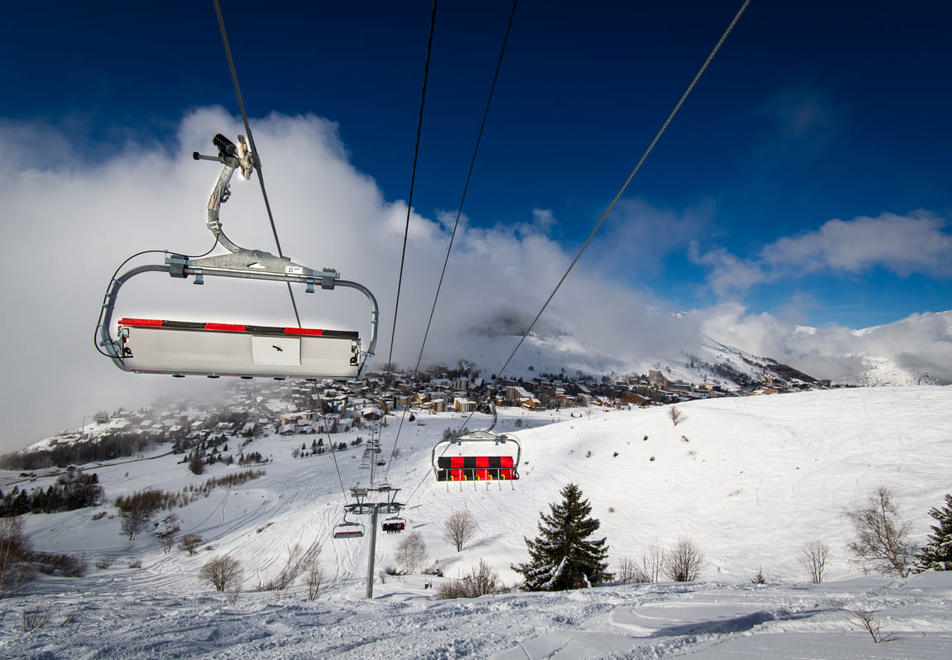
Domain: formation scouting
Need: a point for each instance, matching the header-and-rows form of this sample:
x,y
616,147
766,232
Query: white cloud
x,y
919,345
918,242
638,236
68,226
915,243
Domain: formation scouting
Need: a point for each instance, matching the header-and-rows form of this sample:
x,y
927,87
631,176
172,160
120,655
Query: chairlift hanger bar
x,y
238,263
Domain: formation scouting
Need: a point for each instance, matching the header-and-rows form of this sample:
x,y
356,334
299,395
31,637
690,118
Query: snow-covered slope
x,y
749,480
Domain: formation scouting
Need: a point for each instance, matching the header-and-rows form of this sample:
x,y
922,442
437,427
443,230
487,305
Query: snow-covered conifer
x,y
937,553
562,556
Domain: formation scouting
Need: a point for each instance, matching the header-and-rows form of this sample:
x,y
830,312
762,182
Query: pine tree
x,y
562,557
937,553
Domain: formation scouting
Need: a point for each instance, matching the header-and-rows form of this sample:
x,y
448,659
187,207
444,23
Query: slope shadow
x,y
735,625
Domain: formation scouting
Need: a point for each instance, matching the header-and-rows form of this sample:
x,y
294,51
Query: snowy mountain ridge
x,y
914,350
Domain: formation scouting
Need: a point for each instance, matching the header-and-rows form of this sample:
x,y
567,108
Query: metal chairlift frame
x,y
239,263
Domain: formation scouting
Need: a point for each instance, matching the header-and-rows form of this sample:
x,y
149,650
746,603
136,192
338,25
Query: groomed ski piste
x,y
748,480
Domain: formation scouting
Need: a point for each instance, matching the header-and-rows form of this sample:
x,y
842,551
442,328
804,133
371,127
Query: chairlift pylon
x,y
179,348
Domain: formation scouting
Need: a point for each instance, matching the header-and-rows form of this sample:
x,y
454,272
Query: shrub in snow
x,y
222,572
684,562
189,543
628,572
676,415
866,619
34,619
562,556
480,581
315,576
880,542
300,561
937,553
50,563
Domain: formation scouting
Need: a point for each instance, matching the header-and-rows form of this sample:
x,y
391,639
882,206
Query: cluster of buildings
x,y
329,407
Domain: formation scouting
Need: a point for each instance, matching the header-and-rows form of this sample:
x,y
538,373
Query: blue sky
x,y
813,111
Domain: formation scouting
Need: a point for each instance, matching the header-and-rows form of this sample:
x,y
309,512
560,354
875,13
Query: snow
x,y
749,480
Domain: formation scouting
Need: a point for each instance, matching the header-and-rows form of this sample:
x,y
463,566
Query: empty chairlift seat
x,y
475,468
221,349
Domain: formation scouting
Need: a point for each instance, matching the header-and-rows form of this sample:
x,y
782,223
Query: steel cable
x,y
254,149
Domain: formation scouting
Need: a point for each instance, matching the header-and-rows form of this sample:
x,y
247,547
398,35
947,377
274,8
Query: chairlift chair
x,y
482,466
348,530
394,525
179,348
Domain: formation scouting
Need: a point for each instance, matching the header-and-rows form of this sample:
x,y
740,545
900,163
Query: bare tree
x,y
652,562
459,528
628,572
222,572
16,567
684,563
676,415
866,619
315,576
880,542
813,557
300,560
411,552
190,542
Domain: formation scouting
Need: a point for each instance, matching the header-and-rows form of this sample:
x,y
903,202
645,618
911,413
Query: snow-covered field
x,y
748,480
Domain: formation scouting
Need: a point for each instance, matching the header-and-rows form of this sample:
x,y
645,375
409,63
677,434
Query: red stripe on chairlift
x,y
303,331
225,327
150,323
220,327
